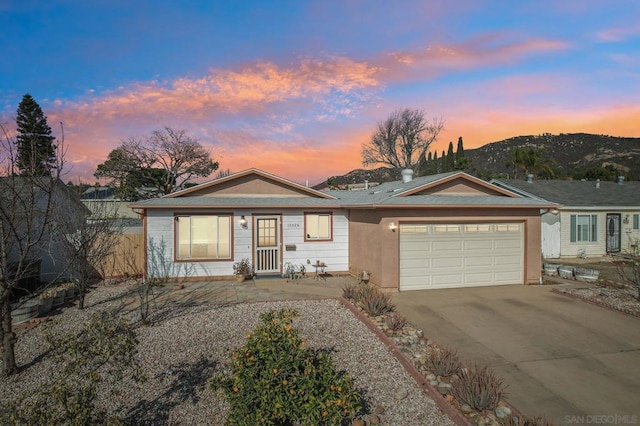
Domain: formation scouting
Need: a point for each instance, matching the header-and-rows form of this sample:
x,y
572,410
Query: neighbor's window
x,y
317,226
203,237
636,221
584,227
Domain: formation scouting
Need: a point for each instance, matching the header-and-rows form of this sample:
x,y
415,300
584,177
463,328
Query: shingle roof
x,y
578,193
388,194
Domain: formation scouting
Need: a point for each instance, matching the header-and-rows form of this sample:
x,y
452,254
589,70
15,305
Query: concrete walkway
x,y
560,357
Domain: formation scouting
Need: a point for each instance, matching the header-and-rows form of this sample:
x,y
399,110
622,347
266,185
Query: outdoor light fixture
x,y
392,226
243,221
553,211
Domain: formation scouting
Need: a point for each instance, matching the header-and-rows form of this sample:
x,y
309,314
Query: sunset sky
x,y
296,87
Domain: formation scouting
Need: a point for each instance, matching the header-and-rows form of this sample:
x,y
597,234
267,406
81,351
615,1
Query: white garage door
x,y
460,255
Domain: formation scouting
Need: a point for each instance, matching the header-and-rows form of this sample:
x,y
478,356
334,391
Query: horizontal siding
x,y
335,254
629,236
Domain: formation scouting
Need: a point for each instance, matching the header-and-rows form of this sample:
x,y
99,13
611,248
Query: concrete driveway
x,y
560,357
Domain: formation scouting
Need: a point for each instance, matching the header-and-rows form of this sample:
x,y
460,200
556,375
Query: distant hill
x,y
571,154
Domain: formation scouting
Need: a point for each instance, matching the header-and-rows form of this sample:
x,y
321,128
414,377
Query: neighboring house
x,y
446,230
25,201
596,217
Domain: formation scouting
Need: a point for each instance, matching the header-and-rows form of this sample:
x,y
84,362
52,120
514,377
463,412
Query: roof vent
x,y
530,178
407,175
597,183
366,185
620,179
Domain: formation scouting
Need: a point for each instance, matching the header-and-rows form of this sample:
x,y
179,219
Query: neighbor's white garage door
x,y
460,255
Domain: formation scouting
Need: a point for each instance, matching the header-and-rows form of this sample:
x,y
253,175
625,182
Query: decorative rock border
x,y
429,386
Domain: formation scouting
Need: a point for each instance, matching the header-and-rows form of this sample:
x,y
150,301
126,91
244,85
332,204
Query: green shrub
x,y
375,302
478,387
443,361
277,380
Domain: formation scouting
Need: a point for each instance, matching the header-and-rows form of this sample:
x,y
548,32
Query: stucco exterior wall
x,y
376,248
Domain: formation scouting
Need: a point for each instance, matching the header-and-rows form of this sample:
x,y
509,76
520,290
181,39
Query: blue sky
x,y
296,87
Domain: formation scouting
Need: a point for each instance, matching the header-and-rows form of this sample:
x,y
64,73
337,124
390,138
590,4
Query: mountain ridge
x,y
569,154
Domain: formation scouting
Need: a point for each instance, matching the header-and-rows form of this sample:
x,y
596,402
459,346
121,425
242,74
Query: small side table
x,y
320,271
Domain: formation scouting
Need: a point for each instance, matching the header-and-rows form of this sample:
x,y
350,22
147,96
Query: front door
x,y
613,233
267,244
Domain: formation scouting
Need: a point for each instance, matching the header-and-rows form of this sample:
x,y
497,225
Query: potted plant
x,y
243,270
46,302
59,294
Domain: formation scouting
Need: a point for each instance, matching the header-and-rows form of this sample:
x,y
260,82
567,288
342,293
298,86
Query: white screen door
x,y
267,244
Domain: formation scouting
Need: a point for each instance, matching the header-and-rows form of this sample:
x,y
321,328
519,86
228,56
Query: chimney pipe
x,y
530,178
407,175
597,183
620,179
366,185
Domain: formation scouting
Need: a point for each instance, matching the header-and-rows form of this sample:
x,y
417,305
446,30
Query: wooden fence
x,y
128,257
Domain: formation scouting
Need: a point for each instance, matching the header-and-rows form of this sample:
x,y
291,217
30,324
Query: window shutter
x,y
594,227
573,228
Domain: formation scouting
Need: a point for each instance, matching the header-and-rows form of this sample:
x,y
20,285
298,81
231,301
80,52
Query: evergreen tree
x,y
462,162
34,142
460,150
435,162
450,161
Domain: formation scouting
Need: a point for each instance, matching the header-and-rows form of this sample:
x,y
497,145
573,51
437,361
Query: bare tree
x,y
27,228
161,164
402,140
91,244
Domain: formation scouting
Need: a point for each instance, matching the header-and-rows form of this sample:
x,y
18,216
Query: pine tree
x,y
34,142
435,162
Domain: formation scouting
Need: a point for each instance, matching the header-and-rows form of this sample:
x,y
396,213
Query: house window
x,y
636,221
318,226
584,228
203,237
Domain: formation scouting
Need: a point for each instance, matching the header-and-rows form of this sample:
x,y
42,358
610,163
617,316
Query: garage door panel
x,y
501,244
507,260
446,263
478,261
478,244
442,246
451,255
450,280
475,279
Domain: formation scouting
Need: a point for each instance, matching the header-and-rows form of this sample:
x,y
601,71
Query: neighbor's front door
x,y
613,232
267,244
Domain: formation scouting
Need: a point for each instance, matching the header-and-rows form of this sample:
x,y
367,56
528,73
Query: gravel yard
x,y
182,351
612,290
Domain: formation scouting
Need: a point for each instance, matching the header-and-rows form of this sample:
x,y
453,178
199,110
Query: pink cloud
x,y
615,35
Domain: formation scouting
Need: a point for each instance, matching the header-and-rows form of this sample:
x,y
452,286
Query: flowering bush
x,y
277,380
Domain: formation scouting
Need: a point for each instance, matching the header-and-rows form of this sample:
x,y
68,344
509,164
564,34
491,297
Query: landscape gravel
x,y
183,350
620,297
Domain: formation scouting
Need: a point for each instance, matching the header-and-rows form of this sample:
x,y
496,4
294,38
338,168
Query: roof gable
x,y
458,184
251,183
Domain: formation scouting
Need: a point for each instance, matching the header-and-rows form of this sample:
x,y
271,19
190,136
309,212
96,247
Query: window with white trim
x,y
584,228
318,226
636,221
203,237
